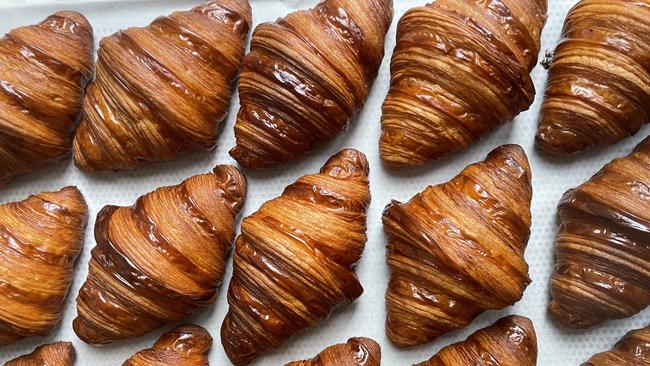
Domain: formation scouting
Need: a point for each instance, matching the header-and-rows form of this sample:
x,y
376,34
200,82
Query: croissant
x,y
602,256
187,345
294,261
598,89
632,350
457,249
306,76
44,70
511,341
162,90
460,68
160,259
53,354
41,236
356,351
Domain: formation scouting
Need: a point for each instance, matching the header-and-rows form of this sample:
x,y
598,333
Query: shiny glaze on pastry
x,y
53,354
460,68
294,262
632,350
602,268
511,341
357,351
44,70
598,89
187,345
163,89
160,259
306,77
41,236
457,249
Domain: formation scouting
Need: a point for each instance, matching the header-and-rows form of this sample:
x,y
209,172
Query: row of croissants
x,y
454,250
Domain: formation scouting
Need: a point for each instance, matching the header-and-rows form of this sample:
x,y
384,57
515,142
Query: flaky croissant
x,y
460,68
160,259
53,354
187,345
306,76
44,70
294,261
356,351
632,350
40,240
598,89
602,268
163,89
511,341
457,249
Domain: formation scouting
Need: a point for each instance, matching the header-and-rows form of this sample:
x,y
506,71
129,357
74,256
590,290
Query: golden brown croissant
x,y
457,249
356,351
306,76
53,354
632,350
40,236
295,259
511,341
598,90
163,89
187,345
161,259
460,68
44,70
602,255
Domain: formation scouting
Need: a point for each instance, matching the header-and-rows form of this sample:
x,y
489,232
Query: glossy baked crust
x,y
294,262
163,89
511,341
40,236
632,350
306,76
602,247
53,354
460,68
160,259
457,249
357,351
44,70
187,345
598,89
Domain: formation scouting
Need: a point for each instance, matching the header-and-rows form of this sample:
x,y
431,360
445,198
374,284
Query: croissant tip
x,y
568,318
74,16
348,162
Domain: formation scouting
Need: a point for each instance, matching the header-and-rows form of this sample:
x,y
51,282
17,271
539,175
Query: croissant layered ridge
x,y
44,70
294,261
160,259
40,240
163,89
306,76
632,350
459,69
53,354
187,345
511,341
357,351
457,249
602,255
598,89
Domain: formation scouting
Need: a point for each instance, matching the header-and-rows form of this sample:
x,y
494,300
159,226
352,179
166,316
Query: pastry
x,y
632,350
294,261
187,345
457,249
53,354
160,259
163,89
356,351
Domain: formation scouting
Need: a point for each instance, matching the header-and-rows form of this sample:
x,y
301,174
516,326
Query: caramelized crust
x,y
356,351
44,70
602,268
53,354
40,239
163,89
295,259
160,259
457,249
632,350
460,68
598,89
187,345
306,76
